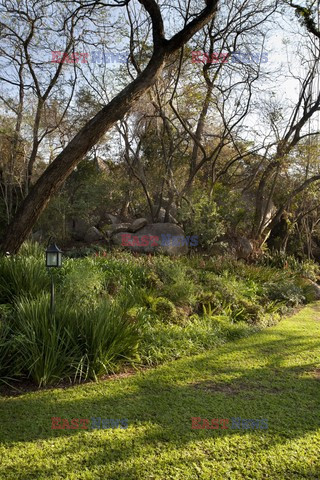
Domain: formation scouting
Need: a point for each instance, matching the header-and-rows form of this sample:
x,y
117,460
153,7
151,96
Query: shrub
x,y
287,292
232,297
309,269
259,274
85,251
22,276
310,290
232,331
43,340
165,341
203,219
112,302
6,310
244,299
165,309
153,281
82,282
166,269
10,361
121,274
177,284
182,292
71,344
281,260
107,337
207,298
32,249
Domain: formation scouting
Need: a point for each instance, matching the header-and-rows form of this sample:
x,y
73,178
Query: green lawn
x,y
274,374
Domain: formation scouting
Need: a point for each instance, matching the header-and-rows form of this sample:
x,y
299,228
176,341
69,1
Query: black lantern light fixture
x,y
53,256
53,259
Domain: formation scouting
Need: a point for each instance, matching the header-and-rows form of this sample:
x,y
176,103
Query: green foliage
x,y
121,274
269,375
164,309
116,309
231,331
181,292
22,275
232,297
82,252
236,212
32,249
43,341
166,341
73,343
247,292
82,282
308,289
177,284
87,192
6,311
9,356
287,292
203,219
153,280
107,337
307,268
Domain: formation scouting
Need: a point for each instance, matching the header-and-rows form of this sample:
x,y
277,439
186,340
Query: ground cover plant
x,y
117,309
272,375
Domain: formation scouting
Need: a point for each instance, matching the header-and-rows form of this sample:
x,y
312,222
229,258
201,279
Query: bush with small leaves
x,y
164,309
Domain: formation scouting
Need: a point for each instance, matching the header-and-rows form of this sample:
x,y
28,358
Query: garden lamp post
x,y
53,260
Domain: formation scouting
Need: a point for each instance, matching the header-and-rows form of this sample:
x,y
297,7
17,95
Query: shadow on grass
x,y
247,379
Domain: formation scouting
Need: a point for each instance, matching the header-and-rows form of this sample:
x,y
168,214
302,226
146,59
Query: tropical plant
x,y
43,340
22,275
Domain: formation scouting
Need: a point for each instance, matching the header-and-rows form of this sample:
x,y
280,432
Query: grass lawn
x,y
274,374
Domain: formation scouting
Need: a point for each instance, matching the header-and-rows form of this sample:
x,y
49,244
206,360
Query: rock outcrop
x,y
93,235
240,247
155,237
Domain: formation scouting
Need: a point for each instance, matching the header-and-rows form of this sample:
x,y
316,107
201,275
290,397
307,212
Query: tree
x,y
288,137
196,113
59,170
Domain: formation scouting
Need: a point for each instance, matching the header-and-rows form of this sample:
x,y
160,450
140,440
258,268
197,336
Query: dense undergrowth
x,y
120,309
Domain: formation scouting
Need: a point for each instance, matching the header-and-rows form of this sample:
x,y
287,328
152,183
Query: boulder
x,y
108,219
138,224
240,247
219,249
120,227
93,235
162,214
243,248
155,237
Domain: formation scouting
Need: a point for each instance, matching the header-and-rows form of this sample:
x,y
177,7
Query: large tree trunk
x,y
59,170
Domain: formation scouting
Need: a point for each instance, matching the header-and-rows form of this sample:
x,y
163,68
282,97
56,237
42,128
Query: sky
x,y
281,45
